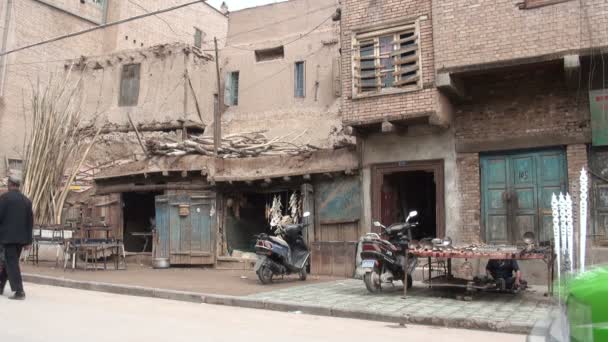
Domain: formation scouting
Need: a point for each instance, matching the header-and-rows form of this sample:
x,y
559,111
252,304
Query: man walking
x,y
16,221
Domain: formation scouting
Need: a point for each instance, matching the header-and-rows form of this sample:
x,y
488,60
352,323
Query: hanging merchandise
x,y
570,232
584,183
294,207
556,235
564,231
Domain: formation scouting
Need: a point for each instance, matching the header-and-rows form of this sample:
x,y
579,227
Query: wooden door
x,y
516,193
191,226
162,240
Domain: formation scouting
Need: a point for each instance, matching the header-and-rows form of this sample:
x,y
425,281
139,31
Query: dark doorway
x,y
405,191
398,188
139,212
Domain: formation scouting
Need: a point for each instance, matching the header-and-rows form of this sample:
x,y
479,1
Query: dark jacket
x,y
16,219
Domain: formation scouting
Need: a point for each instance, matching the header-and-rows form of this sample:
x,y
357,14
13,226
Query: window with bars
x,y
231,89
129,85
387,60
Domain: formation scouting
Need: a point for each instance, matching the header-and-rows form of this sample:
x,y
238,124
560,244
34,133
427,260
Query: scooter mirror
x,y
377,224
306,214
413,213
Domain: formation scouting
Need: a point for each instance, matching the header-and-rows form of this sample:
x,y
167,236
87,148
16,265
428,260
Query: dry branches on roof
x,y
239,145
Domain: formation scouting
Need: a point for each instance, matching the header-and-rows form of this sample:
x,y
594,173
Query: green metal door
x,y
516,193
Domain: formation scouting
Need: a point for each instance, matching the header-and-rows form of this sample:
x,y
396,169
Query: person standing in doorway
x,y
16,223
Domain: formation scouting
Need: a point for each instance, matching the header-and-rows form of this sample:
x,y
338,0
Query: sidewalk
x,y
345,298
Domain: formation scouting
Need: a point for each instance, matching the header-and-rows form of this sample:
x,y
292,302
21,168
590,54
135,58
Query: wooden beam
x,y
449,86
572,70
109,189
387,127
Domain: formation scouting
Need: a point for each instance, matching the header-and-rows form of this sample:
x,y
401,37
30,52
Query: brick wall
x,y
469,32
470,197
527,104
358,13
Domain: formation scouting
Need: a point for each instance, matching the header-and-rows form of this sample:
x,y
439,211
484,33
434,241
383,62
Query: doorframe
x,y
436,166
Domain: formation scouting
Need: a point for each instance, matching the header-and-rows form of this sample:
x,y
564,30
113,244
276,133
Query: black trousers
x,y
11,270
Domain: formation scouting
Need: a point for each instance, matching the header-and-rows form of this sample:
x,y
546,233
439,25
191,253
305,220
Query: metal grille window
x,y
129,85
299,79
231,89
386,60
198,37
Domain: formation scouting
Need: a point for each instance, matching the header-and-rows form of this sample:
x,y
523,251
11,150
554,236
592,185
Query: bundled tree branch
x,y
239,145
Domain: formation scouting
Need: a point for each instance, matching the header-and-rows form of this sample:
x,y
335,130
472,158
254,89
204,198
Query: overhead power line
x,y
114,23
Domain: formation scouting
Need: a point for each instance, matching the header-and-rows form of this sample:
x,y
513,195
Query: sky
x,y
234,5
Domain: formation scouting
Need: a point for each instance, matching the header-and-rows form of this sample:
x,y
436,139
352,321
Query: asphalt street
x,y
68,315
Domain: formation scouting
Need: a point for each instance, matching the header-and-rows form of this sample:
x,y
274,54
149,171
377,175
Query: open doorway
x,y
139,213
399,188
247,215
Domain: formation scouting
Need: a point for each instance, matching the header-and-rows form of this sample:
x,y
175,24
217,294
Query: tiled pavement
x,y
487,310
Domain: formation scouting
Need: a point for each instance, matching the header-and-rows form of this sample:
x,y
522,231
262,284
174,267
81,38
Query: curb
x,y
244,302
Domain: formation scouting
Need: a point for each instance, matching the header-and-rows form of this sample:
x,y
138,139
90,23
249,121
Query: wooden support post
x,y
572,70
217,117
137,135
449,86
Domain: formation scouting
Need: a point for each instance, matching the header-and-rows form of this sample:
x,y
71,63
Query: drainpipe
x,y
3,59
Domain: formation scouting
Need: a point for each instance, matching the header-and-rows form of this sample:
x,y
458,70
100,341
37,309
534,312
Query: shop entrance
x,y
138,214
399,188
247,215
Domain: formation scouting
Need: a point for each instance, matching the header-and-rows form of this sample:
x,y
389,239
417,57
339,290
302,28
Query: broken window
x,y
299,79
231,89
389,59
269,54
529,4
129,85
198,37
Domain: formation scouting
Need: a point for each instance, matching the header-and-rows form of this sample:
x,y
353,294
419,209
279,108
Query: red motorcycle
x,y
383,260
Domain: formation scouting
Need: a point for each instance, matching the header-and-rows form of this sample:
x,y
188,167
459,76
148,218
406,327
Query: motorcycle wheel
x,y
265,275
372,281
303,274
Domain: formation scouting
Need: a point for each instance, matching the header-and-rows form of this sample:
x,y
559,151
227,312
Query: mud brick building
x,y
489,105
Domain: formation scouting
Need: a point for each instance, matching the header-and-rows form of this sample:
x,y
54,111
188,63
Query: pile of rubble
x,y
238,145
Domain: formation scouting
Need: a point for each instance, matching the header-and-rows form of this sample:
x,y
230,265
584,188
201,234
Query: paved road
x,y
67,315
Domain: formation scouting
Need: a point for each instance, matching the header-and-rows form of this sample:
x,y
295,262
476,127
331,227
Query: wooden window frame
x,y
532,4
436,166
368,37
295,79
124,100
198,37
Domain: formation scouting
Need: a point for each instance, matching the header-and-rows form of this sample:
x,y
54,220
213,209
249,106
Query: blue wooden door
x,y
516,193
186,226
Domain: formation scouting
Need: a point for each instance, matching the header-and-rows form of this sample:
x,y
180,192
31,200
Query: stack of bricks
x,y
470,193
362,13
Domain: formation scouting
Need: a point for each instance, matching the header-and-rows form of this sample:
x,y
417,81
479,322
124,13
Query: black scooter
x,y
282,255
383,260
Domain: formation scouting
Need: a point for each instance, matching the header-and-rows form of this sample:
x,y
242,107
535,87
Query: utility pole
x,y
217,113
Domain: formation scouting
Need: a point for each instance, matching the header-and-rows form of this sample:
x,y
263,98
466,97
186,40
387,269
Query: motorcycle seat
x,y
279,240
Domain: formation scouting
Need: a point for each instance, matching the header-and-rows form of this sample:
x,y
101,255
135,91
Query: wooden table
x,y
88,243
448,255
